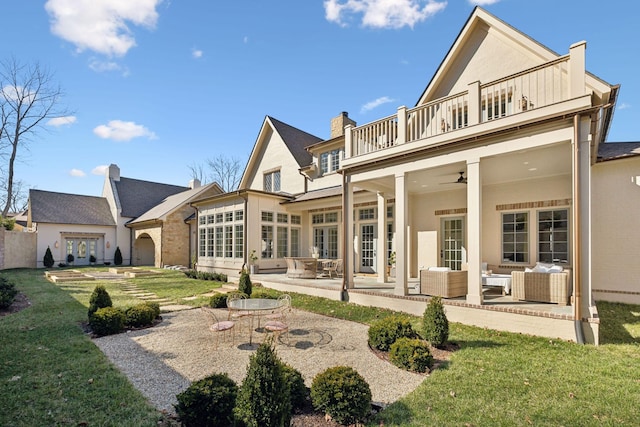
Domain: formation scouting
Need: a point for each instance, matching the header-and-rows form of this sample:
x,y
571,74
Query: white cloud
x,y
483,2
624,106
196,53
76,173
101,26
61,121
245,39
123,131
105,66
99,170
382,13
375,103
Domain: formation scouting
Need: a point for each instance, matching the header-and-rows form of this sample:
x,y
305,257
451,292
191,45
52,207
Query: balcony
x,y
530,90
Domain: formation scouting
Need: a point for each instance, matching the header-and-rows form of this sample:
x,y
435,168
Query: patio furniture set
x,y
312,268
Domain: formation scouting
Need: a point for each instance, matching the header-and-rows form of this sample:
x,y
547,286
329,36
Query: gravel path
x,y
163,361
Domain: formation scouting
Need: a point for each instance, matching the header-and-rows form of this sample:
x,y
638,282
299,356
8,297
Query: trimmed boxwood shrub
x,y
139,315
342,393
384,332
299,392
155,307
8,292
48,260
218,300
264,396
263,293
435,325
70,258
244,285
208,402
107,321
99,299
411,354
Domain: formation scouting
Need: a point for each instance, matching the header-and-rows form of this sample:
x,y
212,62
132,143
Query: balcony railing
x,y
533,88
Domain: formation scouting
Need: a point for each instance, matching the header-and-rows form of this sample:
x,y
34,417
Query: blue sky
x,y
158,85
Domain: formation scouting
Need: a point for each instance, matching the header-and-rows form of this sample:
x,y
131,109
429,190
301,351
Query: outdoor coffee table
x,y
255,307
498,280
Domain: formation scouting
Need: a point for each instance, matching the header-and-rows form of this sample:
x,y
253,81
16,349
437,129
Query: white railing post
x,y
348,138
402,125
474,103
577,69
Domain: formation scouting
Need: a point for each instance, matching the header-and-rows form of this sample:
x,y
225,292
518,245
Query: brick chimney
x,y
338,124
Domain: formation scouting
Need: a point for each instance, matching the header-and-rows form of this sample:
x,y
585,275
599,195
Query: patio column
x,y
474,232
347,221
402,209
381,258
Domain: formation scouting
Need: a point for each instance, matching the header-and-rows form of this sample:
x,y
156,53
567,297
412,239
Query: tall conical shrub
x,y
245,285
48,258
434,323
117,257
99,299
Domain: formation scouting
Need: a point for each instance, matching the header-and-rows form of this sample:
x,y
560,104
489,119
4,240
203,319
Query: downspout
x,y
577,256
245,224
345,245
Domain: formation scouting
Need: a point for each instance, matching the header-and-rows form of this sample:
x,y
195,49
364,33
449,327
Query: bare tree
x,y
28,98
226,171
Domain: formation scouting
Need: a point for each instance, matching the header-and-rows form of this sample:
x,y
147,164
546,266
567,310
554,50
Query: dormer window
x,y
330,161
272,181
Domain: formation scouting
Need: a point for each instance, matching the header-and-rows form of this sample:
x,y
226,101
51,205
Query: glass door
x,y
368,239
452,243
325,240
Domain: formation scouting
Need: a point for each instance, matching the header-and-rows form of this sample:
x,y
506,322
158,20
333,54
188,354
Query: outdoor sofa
x,y
543,283
441,281
301,268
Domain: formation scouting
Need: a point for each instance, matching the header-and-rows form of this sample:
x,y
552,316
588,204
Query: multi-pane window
x,y
219,242
331,217
210,242
390,211
367,213
553,236
389,239
267,216
267,241
203,242
283,218
330,161
335,160
219,217
295,242
271,181
317,218
239,215
296,219
202,220
515,237
239,246
228,241
283,242
228,216
210,219
324,163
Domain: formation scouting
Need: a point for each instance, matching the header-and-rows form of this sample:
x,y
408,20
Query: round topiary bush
x,y
299,391
8,292
342,393
435,326
218,301
244,285
411,354
139,315
107,321
99,299
384,332
208,402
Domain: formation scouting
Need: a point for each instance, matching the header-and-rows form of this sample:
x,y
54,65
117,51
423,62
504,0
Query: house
x,y
501,162
147,221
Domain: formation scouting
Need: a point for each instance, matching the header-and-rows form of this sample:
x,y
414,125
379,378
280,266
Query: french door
x,y
368,238
452,243
325,239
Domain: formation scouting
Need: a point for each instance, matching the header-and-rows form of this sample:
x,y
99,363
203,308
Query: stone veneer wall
x,y
17,249
175,238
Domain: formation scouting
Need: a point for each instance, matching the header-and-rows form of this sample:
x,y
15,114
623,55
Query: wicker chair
x,y
541,287
447,284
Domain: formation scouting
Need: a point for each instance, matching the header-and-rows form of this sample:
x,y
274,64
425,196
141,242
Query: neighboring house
x,y
146,219
497,163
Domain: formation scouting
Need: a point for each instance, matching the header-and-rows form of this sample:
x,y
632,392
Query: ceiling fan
x,y
461,179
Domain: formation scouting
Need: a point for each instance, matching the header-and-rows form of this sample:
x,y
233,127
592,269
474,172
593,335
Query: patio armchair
x,y
441,281
218,326
332,268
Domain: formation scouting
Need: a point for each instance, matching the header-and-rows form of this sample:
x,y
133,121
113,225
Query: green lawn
x,y
52,374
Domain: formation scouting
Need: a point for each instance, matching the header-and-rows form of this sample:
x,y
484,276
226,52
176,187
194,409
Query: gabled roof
x,y
174,202
137,196
295,139
63,208
618,150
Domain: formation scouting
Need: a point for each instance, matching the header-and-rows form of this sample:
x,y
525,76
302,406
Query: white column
x,y
402,125
474,232
347,219
577,69
474,103
402,253
381,258
348,138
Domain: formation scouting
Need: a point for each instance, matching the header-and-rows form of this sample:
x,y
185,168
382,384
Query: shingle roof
x,y
137,197
296,140
320,194
617,150
63,208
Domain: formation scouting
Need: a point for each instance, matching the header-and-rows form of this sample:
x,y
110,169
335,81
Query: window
x,y
239,246
331,217
239,215
228,241
210,219
515,237
368,213
202,220
267,241
210,242
219,217
553,236
283,242
317,218
203,242
271,181
267,216
283,218
335,160
296,219
92,248
390,211
219,242
295,241
228,216
324,163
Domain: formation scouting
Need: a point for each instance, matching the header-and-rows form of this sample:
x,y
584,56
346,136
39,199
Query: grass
x,y
51,373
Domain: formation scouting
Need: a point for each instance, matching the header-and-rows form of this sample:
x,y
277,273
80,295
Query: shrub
x,y
48,258
264,396
435,325
117,256
244,285
99,299
107,321
8,223
218,301
139,315
411,354
92,258
208,402
191,274
342,393
263,293
8,292
299,391
70,258
155,307
384,332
